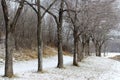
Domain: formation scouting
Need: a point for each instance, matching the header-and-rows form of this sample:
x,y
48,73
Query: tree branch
x,y
15,19
48,8
54,16
31,5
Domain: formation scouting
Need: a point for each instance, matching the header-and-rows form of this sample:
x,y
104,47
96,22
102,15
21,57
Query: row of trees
x,y
69,25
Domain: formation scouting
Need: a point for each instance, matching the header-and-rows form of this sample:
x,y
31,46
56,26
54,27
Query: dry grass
x,y
25,55
28,54
49,51
117,57
67,53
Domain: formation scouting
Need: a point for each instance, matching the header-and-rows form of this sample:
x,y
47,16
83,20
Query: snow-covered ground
x,y
91,68
113,54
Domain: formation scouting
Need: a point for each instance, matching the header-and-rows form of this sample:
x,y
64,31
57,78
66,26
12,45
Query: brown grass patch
x,y
25,55
117,57
49,51
28,54
67,53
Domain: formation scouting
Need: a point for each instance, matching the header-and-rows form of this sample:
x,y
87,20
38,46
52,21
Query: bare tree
x,y
59,30
76,18
39,29
39,37
59,21
104,21
10,26
91,13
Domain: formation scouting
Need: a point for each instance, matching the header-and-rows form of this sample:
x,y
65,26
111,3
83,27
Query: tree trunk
x,y
59,33
16,42
87,50
78,52
98,50
8,47
75,63
60,53
83,44
81,56
9,55
39,38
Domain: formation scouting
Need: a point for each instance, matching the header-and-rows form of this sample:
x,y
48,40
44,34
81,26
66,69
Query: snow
x,y
91,68
112,54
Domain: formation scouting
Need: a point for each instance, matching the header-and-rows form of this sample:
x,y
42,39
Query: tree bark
x,y
81,54
8,58
75,63
60,53
59,33
87,50
39,38
98,50
78,52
